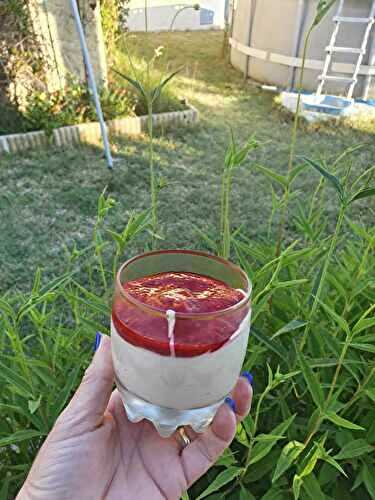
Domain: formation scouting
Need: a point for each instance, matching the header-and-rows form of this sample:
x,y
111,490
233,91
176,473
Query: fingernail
x,y
98,339
249,377
230,402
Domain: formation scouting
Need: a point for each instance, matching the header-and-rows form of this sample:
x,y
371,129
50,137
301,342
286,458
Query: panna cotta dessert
x,y
180,327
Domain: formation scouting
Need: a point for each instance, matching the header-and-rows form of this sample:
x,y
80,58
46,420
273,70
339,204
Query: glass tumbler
x,y
185,383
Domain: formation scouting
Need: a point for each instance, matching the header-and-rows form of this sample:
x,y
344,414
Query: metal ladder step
x,y
331,78
343,19
345,50
349,81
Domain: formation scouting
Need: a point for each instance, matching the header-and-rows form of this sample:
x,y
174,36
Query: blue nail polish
x,y
230,402
98,339
249,377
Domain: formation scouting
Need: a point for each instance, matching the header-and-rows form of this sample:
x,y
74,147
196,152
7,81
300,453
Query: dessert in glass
x,y
180,327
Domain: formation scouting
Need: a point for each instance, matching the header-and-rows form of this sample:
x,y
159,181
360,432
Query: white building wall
x,y
211,16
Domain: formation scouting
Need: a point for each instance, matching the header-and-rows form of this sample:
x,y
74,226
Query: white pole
x,y
92,83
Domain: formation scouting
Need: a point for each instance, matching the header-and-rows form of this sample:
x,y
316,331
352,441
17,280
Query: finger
x,y
203,452
206,448
89,403
242,395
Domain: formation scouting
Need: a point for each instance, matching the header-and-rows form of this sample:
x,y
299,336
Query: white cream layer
x,y
180,383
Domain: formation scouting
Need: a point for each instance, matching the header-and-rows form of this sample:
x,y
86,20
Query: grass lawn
x,y
48,199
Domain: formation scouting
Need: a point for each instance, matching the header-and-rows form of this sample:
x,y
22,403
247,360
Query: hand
x,y
94,452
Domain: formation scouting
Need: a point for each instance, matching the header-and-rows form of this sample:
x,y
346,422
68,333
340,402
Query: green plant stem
x,y
115,264
225,251
345,348
98,251
338,368
281,229
257,412
324,274
346,344
222,203
314,197
359,390
177,14
332,388
146,16
365,255
313,431
154,201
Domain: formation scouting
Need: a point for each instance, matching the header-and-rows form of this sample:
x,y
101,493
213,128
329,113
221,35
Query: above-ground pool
x,y
268,36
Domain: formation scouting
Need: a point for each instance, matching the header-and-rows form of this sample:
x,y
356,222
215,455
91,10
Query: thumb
x,y
89,403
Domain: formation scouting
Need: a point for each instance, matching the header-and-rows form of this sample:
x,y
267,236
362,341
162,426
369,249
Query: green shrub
x,y
73,105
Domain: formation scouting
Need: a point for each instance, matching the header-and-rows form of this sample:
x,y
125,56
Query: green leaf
x,y
274,494
240,156
353,449
261,469
249,424
4,492
363,193
66,391
330,177
279,350
289,327
312,382
21,410
342,422
369,480
371,394
359,230
156,93
185,496
18,436
245,494
154,235
116,236
311,462
289,283
37,282
12,378
227,459
296,171
212,245
363,347
330,460
34,405
363,324
220,480
268,437
241,436
262,448
280,179
297,483
288,455
322,9
338,319
312,487
137,85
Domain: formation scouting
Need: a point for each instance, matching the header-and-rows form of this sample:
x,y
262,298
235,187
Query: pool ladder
x,y
333,49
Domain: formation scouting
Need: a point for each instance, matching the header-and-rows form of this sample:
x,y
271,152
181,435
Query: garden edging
x,y
89,133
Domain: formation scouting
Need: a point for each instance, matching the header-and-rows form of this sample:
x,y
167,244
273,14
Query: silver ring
x,y
183,438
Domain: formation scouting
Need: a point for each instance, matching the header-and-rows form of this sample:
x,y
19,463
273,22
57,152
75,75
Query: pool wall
x,y
268,36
